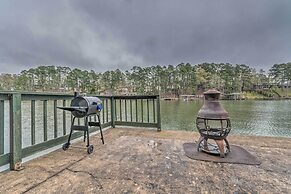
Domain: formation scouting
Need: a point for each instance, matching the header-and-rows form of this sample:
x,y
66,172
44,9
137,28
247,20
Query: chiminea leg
x,y
205,147
199,142
220,144
227,145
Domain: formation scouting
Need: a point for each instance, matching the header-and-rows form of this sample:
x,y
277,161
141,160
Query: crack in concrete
x,y
92,176
109,178
53,175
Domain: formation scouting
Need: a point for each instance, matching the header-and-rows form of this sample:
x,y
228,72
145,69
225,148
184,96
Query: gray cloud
x,y
102,35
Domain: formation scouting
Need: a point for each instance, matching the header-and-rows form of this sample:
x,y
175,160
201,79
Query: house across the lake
x,y
234,96
189,97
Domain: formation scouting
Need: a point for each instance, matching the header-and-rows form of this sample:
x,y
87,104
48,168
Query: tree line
x,y
183,78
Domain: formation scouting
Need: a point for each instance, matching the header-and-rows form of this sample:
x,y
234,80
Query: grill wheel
x,y
90,149
66,146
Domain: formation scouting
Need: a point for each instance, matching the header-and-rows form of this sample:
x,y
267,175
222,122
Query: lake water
x,y
248,117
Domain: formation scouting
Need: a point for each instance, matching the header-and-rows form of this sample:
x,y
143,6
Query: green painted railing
x,y
49,126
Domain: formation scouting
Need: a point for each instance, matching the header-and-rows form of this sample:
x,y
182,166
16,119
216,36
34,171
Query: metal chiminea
x,y
213,124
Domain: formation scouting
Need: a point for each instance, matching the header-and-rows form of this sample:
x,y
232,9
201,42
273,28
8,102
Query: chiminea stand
x,y
84,128
218,135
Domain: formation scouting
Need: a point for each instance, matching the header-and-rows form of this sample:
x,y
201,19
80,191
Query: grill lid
x,y
82,106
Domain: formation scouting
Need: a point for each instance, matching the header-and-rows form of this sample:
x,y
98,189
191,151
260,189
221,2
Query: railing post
x,y
1,127
113,112
158,113
15,132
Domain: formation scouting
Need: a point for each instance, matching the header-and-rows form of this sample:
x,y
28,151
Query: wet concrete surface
x,y
147,161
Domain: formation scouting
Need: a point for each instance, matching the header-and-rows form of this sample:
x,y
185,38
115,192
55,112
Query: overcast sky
x,y
108,34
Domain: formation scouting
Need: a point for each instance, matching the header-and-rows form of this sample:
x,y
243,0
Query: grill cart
x,y
83,107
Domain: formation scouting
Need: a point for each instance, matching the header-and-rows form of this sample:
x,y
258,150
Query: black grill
x,y
83,107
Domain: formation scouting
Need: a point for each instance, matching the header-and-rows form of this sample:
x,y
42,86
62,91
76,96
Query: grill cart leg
x,y
88,141
98,124
73,121
100,129
89,147
86,132
101,136
67,145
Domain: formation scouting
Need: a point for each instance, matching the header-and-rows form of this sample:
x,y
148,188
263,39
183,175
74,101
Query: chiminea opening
x,y
213,124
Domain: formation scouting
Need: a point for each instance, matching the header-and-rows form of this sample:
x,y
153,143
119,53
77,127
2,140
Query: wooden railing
x,y
138,111
33,123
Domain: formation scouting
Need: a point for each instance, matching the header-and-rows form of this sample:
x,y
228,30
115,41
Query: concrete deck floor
x,y
147,161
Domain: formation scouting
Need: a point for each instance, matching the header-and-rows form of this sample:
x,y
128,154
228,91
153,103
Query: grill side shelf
x,y
73,108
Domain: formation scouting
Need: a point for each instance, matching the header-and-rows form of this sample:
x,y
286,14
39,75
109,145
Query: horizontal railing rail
x,y
33,123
